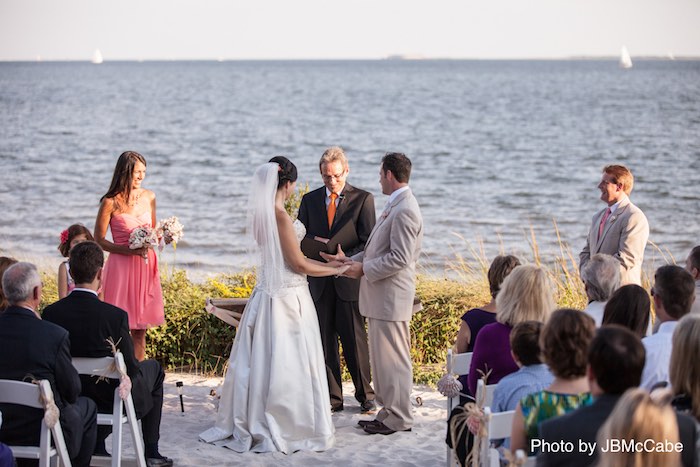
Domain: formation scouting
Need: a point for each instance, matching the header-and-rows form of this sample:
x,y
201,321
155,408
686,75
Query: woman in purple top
x,y
476,318
527,294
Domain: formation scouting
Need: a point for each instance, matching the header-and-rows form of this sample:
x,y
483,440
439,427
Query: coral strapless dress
x,y
130,282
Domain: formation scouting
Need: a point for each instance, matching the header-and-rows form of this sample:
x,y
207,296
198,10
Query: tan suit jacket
x,y
624,237
388,286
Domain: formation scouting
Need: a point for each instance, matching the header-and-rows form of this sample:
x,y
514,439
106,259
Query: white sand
x,y
424,446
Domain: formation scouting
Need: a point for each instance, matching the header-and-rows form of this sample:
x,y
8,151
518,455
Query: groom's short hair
x,y
85,260
398,164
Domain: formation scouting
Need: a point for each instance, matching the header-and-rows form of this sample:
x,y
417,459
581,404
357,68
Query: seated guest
x,y
6,459
629,306
31,348
476,318
692,265
615,364
527,294
532,375
564,343
91,323
673,293
638,417
684,371
601,276
5,263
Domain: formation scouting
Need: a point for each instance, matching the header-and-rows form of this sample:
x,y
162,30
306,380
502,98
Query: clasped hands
x,y
354,268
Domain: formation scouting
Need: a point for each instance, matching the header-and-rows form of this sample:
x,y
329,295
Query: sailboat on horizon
x,y
97,57
625,59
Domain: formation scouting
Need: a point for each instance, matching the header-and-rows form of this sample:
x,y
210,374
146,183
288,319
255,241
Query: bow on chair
x,y
124,380
51,412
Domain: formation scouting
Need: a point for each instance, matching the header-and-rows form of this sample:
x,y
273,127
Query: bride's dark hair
x,y
288,171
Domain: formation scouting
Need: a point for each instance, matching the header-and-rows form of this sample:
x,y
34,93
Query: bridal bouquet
x,y
143,237
169,230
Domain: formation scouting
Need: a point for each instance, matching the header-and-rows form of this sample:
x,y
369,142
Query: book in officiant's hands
x,y
346,237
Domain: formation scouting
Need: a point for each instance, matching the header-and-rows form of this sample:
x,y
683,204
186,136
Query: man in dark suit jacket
x,y
339,212
615,362
91,324
34,349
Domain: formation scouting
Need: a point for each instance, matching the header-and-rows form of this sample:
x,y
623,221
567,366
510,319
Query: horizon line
x,y
390,58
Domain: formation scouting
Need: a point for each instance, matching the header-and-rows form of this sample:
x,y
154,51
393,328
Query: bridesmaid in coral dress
x,y
130,279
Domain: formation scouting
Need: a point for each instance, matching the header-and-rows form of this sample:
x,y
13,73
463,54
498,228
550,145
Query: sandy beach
x,y
424,446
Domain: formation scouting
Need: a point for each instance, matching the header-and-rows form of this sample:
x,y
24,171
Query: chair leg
x,y
117,430
136,436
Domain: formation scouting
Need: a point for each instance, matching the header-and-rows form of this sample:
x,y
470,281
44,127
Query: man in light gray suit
x,y
387,268
621,230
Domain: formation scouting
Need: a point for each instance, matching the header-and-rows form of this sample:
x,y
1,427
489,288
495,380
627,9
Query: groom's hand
x,y
339,256
354,271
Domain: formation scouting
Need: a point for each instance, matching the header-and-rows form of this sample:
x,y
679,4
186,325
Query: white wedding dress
x,y
275,395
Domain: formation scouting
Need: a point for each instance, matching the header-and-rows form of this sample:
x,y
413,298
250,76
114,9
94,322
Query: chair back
x,y
30,395
457,364
498,426
484,393
108,367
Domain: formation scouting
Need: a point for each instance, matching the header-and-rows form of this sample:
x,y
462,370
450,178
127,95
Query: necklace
x,y
133,199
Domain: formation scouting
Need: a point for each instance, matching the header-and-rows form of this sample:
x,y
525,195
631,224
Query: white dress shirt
x,y
596,309
658,347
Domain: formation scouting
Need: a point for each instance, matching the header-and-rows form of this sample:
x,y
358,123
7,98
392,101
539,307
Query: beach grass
x,y
194,341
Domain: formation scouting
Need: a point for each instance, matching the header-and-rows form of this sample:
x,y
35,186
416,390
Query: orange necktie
x,y
331,209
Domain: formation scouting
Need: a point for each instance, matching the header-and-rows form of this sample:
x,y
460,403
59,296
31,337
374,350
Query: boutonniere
x,y
612,218
385,214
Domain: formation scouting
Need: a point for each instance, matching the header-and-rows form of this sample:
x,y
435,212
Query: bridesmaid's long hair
x,y
123,172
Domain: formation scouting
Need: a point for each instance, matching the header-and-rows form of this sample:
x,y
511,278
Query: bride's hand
x,y
340,270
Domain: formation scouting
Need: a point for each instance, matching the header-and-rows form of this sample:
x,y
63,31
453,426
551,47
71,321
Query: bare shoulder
x,y
150,195
108,205
282,217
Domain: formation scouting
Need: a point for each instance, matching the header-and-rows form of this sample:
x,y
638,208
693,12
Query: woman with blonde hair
x,y
527,294
684,370
642,420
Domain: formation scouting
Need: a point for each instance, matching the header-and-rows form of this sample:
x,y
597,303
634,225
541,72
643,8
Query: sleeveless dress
x,y
275,394
70,283
128,281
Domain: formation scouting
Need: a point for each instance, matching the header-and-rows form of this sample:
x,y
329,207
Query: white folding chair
x,y
498,426
29,395
457,364
524,460
484,393
105,367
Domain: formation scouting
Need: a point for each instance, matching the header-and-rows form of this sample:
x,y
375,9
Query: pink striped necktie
x,y
602,222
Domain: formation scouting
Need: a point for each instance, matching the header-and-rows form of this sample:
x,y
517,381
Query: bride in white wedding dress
x,y
275,394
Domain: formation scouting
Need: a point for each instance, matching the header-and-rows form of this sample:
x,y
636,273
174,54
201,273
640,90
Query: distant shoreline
x,y
391,58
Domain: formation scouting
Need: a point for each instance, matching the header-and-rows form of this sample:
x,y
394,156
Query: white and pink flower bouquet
x,y
143,237
169,230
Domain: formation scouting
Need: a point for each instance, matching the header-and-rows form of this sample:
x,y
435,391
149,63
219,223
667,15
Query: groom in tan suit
x,y
387,268
621,230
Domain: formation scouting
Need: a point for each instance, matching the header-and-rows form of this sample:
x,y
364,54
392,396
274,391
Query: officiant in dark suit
x,y
92,324
339,215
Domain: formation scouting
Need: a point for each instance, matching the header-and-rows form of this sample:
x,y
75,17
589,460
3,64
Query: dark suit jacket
x,y
41,350
357,207
583,424
90,323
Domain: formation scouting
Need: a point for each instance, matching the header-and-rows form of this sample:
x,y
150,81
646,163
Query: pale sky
x,y
355,29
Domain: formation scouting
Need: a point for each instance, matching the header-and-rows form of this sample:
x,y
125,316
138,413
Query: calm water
x,y
497,146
